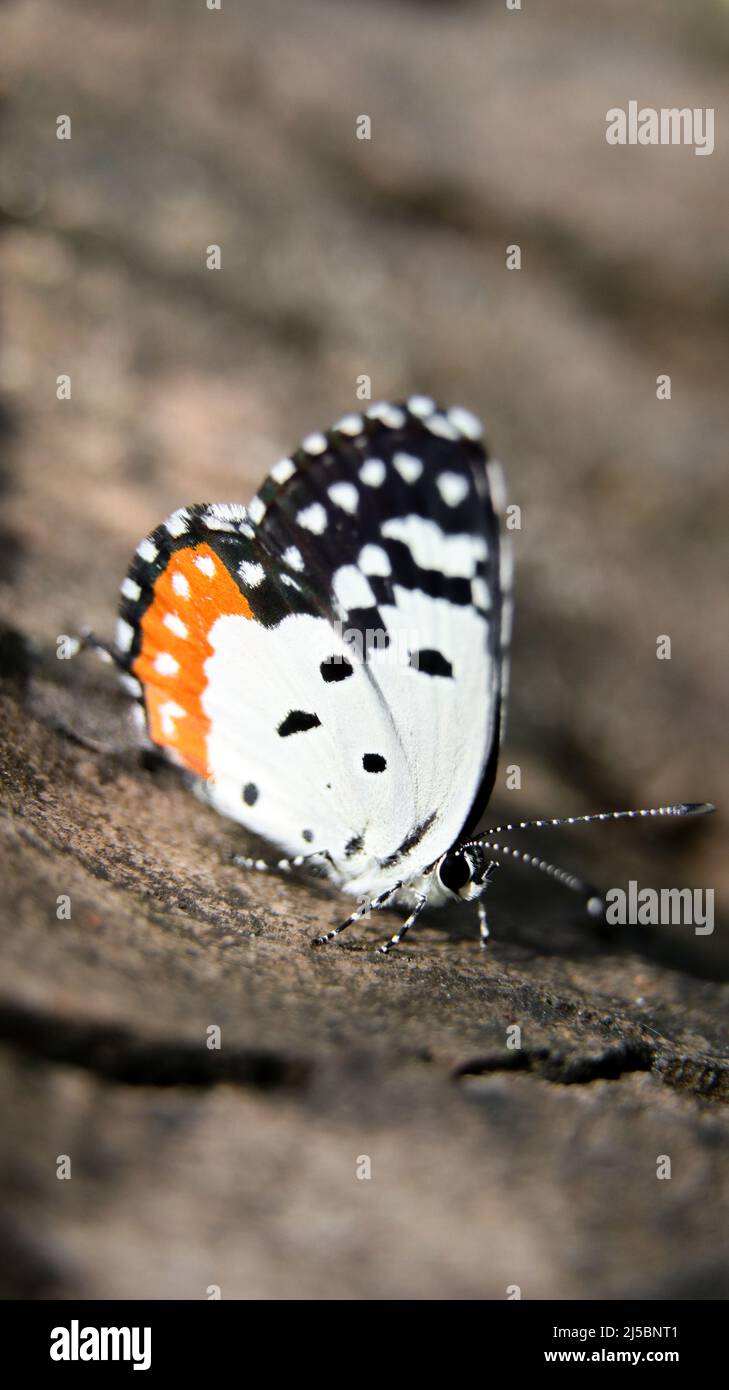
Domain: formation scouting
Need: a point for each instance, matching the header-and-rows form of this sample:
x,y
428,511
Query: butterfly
x,y
329,663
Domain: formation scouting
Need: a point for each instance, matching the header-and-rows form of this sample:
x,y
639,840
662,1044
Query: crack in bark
x,y
111,1051
702,1076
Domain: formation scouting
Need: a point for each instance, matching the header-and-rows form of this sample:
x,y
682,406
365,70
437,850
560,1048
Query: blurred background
x,y
385,257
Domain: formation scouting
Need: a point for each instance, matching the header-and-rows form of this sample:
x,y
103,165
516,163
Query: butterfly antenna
x,y
569,880
681,808
595,903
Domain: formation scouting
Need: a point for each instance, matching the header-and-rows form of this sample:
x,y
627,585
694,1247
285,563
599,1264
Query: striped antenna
x,y
595,904
681,808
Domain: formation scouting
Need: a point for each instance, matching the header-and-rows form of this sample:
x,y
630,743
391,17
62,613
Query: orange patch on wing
x,y
191,593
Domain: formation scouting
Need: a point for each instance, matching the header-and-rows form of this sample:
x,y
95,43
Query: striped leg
x,y
357,916
279,866
402,931
88,642
483,925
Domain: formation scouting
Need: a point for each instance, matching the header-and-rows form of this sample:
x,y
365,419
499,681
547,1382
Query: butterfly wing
x,y
329,659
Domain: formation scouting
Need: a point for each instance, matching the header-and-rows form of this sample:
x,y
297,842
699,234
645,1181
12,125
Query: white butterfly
x,y
330,661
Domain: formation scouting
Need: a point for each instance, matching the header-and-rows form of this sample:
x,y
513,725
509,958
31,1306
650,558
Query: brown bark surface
x,y
490,1167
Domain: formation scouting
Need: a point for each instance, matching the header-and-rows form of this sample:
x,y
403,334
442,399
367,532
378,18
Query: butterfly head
x,y
464,871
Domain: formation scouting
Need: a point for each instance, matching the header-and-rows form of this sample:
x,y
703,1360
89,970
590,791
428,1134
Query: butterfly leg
x,y
402,931
278,866
357,916
87,641
483,925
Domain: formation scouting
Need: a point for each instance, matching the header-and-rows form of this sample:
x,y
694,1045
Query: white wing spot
x,y
165,663
350,424
453,487
374,560
169,712
390,415
438,424
130,589
256,510
205,564
175,624
408,467
251,573
314,443
124,635
344,495
147,550
313,518
373,472
465,422
181,585
293,557
421,406
432,549
283,470
351,588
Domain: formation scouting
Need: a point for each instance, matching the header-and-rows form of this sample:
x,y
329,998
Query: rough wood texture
x,y
237,1167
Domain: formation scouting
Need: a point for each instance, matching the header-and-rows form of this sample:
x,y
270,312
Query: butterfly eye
x,y
454,872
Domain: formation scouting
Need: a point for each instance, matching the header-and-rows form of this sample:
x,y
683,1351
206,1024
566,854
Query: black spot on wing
x,y
297,722
374,762
250,793
431,662
336,668
353,846
366,631
409,575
